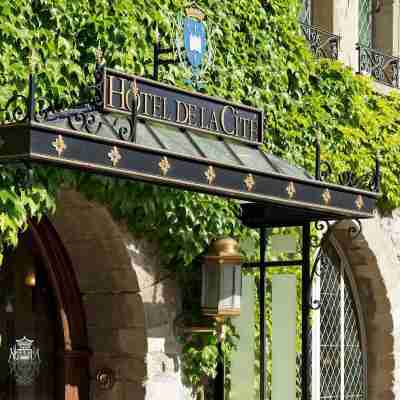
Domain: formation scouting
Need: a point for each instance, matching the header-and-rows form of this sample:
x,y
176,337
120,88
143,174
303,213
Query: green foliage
x,y
260,59
201,354
18,204
200,357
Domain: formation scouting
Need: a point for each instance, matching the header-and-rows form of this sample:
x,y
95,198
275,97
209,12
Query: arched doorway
x,y
339,335
41,302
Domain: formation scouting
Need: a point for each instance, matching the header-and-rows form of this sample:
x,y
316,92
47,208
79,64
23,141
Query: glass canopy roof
x,y
213,148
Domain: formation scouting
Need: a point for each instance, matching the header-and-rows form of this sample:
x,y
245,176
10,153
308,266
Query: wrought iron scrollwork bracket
x,y
323,229
368,181
317,241
355,230
83,117
323,169
314,304
19,108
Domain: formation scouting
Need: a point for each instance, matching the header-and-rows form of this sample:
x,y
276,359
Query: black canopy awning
x,y
143,148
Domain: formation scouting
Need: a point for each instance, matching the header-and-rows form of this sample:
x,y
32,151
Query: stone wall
x,y
341,18
131,302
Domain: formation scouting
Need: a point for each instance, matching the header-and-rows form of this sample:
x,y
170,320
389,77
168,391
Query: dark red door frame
x,y
58,266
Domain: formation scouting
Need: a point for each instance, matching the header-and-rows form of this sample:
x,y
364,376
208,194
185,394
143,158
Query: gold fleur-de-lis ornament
x,y
326,196
164,166
115,156
359,202
59,145
210,175
291,190
249,182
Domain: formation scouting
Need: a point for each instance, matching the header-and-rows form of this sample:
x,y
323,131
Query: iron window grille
x,y
339,363
382,67
323,44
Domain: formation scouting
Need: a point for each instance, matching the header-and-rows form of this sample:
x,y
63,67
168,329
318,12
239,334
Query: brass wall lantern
x,y
221,279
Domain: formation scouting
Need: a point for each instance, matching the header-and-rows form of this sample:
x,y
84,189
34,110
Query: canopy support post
x,y
305,312
263,247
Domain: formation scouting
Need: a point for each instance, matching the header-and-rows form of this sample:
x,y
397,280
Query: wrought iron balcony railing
x,y
323,44
382,67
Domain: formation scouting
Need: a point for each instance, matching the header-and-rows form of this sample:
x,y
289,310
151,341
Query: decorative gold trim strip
x,y
210,175
291,190
59,145
164,166
351,213
115,156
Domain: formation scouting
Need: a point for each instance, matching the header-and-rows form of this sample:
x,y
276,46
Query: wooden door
x,y
27,309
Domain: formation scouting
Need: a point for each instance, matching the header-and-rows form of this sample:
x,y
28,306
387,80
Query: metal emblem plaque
x,y
24,361
193,43
194,39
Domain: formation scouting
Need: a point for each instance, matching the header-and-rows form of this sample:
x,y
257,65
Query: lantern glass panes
x,y
221,279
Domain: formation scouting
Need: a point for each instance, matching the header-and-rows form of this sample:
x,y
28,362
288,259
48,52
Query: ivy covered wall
x,y
260,59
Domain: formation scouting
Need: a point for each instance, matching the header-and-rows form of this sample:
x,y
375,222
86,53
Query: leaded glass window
x,y
339,360
365,22
305,15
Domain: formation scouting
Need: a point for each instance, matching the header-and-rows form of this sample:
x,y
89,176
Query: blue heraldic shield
x,y
195,42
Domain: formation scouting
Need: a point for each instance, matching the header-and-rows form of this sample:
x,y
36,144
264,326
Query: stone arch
x,y
374,267
130,300
48,246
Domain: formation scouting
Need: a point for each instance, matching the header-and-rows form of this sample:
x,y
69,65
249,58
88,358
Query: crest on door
x,y
193,44
24,361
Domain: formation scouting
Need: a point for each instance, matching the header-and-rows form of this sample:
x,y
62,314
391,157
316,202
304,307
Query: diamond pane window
x,y
365,22
339,363
305,15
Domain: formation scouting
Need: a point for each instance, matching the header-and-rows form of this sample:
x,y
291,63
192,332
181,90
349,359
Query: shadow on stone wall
x,y
131,302
376,274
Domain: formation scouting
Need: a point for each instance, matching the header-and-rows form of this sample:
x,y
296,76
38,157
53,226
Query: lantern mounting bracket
x,y
157,61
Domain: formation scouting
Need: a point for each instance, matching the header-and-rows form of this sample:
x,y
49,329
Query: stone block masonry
x,y
130,301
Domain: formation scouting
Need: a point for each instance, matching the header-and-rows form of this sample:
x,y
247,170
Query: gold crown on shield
x,y
195,13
